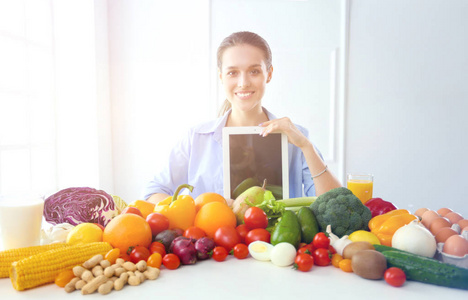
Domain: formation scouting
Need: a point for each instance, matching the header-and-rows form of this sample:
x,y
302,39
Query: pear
x,y
244,185
254,195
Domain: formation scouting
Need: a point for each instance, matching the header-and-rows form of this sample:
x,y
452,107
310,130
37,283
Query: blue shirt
x,y
198,160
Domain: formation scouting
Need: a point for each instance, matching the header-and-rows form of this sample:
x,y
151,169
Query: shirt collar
x,y
216,126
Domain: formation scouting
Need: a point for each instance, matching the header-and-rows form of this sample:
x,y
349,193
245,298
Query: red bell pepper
x,y
378,206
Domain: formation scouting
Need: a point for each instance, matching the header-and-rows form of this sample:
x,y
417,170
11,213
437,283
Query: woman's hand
x,y
284,125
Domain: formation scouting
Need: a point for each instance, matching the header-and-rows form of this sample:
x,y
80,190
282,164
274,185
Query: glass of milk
x,y
20,220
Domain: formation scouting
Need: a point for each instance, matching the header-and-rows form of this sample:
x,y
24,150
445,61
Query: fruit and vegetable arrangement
x,y
99,243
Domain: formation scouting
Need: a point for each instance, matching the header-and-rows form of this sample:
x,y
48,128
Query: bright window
x,y
27,103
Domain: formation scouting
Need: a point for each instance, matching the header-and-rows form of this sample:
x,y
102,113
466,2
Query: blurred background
x,y
96,93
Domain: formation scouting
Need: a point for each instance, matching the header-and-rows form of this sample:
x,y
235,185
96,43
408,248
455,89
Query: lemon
x,y
364,236
85,233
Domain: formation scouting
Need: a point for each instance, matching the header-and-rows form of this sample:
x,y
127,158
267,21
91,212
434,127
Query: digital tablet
x,y
249,159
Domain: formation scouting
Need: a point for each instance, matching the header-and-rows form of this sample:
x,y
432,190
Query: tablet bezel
x,y
227,132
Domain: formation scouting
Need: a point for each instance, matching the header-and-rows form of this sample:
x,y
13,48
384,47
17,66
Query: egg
x,y
260,250
463,223
427,217
443,234
419,212
439,223
443,211
456,245
283,254
454,217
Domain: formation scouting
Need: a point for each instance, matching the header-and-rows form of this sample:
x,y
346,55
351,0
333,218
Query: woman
x,y
245,68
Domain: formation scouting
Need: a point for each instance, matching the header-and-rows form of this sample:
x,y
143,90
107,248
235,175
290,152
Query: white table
x,y
249,279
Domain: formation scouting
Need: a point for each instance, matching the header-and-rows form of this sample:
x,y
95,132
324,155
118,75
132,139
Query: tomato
x,y
321,241
345,265
258,234
255,217
157,247
395,276
139,253
335,260
242,229
303,262
171,261
240,251
154,260
112,255
194,233
219,253
331,249
321,257
132,210
124,256
307,249
227,237
64,277
158,222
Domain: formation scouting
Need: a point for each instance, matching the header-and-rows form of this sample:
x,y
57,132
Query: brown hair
x,y
239,38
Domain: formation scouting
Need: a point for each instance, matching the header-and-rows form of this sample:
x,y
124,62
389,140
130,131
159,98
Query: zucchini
x,y
382,248
428,270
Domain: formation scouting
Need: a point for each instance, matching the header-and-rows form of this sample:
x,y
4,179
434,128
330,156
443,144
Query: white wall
x,y
407,100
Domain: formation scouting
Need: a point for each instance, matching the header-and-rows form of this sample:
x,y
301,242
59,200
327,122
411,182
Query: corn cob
x,y
42,268
7,257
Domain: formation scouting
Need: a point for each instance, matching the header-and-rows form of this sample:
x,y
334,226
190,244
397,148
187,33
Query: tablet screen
x,y
249,159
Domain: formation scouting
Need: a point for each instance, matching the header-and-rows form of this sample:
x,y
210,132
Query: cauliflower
x,y
342,210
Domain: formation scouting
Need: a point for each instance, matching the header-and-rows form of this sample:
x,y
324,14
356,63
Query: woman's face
x,y
244,76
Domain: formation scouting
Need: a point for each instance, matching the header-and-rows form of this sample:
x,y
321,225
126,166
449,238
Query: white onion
x,y
415,239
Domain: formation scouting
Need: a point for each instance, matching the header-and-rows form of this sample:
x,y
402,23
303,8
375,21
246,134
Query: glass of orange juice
x,y
361,185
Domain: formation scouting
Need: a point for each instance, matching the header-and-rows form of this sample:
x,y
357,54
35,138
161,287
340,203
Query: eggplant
x,y
166,237
204,246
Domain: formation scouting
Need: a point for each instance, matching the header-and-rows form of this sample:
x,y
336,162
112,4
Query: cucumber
x,y
428,270
382,248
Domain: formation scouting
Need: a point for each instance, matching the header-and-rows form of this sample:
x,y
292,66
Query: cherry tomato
x,y
124,256
171,261
331,249
227,237
219,253
112,255
64,277
158,222
139,253
321,241
194,233
345,265
242,229
255,217
395,276
335,260
307,249
258,234
157,247
303,262
154,260
132,210
240,251
321,257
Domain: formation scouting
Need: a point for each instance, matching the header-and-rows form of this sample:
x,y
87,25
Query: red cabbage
x,y
80,205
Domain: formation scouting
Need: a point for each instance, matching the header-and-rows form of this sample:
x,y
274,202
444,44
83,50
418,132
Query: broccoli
x,y
341,209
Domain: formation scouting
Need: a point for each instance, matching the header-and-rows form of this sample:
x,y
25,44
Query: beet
x,y
185,250
204,246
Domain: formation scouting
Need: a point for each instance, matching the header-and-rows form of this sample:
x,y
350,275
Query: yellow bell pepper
x,y
180,210
377,221
385,231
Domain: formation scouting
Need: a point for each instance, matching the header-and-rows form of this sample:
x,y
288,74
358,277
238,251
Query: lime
x,y
85,233
364,236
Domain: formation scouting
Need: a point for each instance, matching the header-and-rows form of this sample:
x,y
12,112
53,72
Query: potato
x,y
369,264
354,247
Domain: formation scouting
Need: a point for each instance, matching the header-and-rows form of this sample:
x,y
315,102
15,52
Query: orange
x,y
145,207
205,198
214,215
127,230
